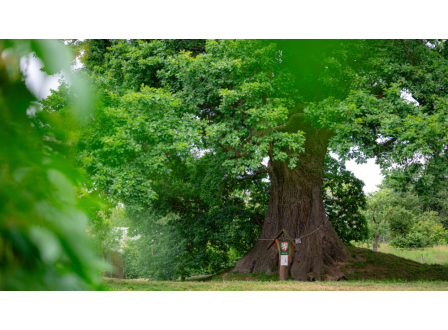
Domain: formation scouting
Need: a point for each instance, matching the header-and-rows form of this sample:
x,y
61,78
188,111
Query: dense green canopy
x,y
237,97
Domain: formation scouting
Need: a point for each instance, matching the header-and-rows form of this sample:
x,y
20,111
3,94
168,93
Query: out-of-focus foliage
x,y
344,201
105,233
407,221
159,253
43,202
107,230
131,261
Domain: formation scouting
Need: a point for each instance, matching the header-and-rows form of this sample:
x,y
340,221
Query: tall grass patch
x,y
437,254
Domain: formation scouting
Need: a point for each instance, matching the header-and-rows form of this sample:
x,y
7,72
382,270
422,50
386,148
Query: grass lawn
x,y
147,285
365,271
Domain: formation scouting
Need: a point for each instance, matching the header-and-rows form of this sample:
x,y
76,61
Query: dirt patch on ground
x,y
201,278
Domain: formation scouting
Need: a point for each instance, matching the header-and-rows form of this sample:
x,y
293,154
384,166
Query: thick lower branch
x,y
254,175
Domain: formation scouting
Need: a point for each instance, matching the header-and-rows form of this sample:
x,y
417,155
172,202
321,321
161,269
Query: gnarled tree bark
x,y
296,205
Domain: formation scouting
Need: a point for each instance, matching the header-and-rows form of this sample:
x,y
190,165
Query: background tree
x,y
380,208
402,216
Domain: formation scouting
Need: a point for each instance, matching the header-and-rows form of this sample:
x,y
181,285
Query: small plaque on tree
x,y
284,248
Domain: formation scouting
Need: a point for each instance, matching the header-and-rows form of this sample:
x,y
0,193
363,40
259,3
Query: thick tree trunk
x,y
296,205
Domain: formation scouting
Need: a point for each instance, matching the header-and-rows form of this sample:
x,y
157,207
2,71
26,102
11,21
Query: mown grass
x,y
365,271
147,285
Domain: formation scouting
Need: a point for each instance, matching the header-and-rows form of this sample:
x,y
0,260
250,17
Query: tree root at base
x,y
316,266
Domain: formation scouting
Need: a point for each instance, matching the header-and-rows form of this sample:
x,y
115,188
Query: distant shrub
x,y
413,240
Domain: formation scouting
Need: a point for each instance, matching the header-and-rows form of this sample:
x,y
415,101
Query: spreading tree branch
x,y
288,123
407,51
256,219
254,175
383,147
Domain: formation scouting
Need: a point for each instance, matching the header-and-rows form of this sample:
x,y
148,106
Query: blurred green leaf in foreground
x,y
43,205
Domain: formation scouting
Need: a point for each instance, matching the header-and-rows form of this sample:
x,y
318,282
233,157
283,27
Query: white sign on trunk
x,y
283,260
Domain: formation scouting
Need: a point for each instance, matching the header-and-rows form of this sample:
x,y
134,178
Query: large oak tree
x,y
245,100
